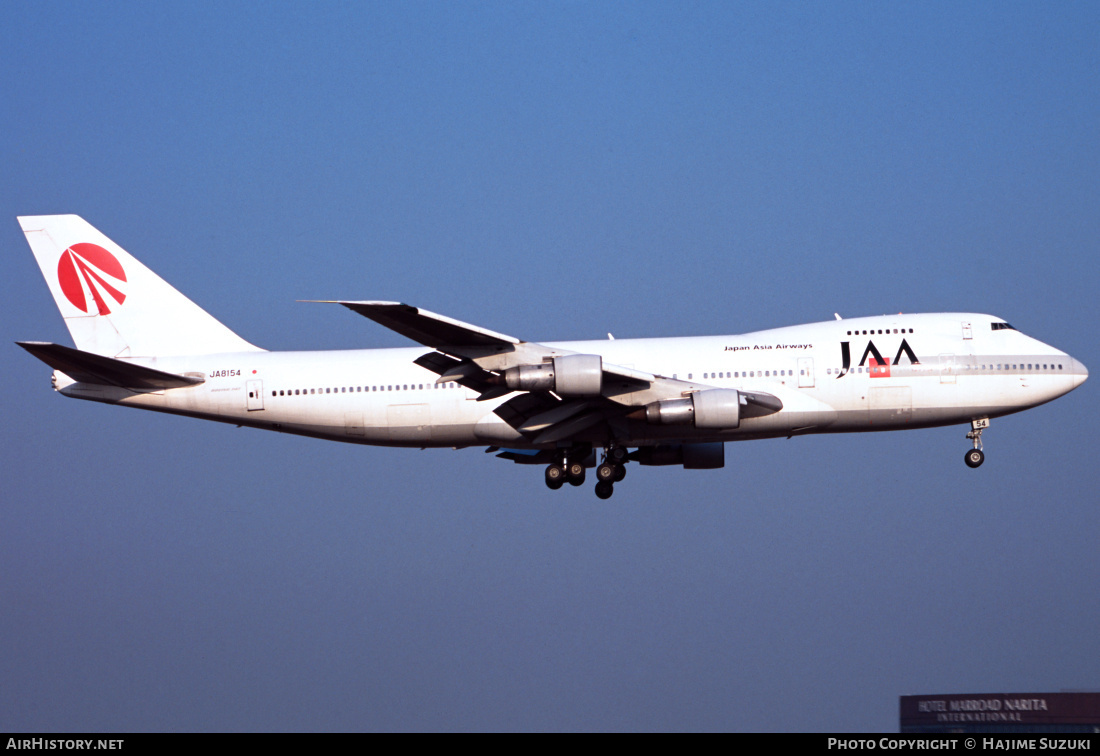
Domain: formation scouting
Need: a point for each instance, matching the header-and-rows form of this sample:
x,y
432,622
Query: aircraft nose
x,y
1078,372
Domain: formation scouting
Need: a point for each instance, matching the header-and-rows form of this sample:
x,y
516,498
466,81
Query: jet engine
x,y
569,375
713,409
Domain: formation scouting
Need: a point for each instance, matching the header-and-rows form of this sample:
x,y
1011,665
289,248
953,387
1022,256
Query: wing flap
x,y
463,372
93,368
522,407
564,429
558,414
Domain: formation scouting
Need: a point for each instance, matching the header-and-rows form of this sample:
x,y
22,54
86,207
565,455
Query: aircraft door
x,y
805,372
947,368
255,391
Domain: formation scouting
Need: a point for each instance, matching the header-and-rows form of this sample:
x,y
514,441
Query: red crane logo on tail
x,y
94,264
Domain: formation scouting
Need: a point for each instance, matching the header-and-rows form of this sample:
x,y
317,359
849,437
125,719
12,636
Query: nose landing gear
x,y
976,456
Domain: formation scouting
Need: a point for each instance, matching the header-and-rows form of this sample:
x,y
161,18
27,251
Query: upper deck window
x,y
1001,327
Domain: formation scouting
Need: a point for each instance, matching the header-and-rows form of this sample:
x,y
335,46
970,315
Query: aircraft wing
x,y
466,343
477,358
428,328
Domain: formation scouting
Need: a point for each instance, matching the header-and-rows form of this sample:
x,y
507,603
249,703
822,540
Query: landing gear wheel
x,y
604,489
975,457
576,478
617,454
620,472
555,477
607,472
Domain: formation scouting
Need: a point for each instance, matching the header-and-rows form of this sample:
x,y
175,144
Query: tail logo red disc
x,y
91,265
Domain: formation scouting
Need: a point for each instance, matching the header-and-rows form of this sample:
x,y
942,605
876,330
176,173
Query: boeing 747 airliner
x,y
569,406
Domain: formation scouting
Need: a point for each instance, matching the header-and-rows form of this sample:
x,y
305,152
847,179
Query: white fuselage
x,y
826,374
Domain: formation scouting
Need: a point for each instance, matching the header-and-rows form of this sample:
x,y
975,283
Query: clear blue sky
x,y
552,171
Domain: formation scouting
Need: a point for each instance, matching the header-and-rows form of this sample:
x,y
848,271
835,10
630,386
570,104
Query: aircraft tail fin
x,y
112,304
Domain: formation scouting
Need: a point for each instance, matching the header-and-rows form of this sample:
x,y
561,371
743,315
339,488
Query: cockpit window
x,y
1002,327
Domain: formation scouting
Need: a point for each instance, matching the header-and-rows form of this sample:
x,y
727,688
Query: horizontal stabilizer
x,y
93,368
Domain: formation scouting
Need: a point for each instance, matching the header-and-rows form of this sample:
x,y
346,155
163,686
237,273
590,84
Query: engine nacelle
x,y
712,409
708,456
570,375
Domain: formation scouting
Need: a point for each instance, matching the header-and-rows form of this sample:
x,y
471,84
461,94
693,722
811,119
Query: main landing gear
x,y
558,473
570,467
976,456
610,471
